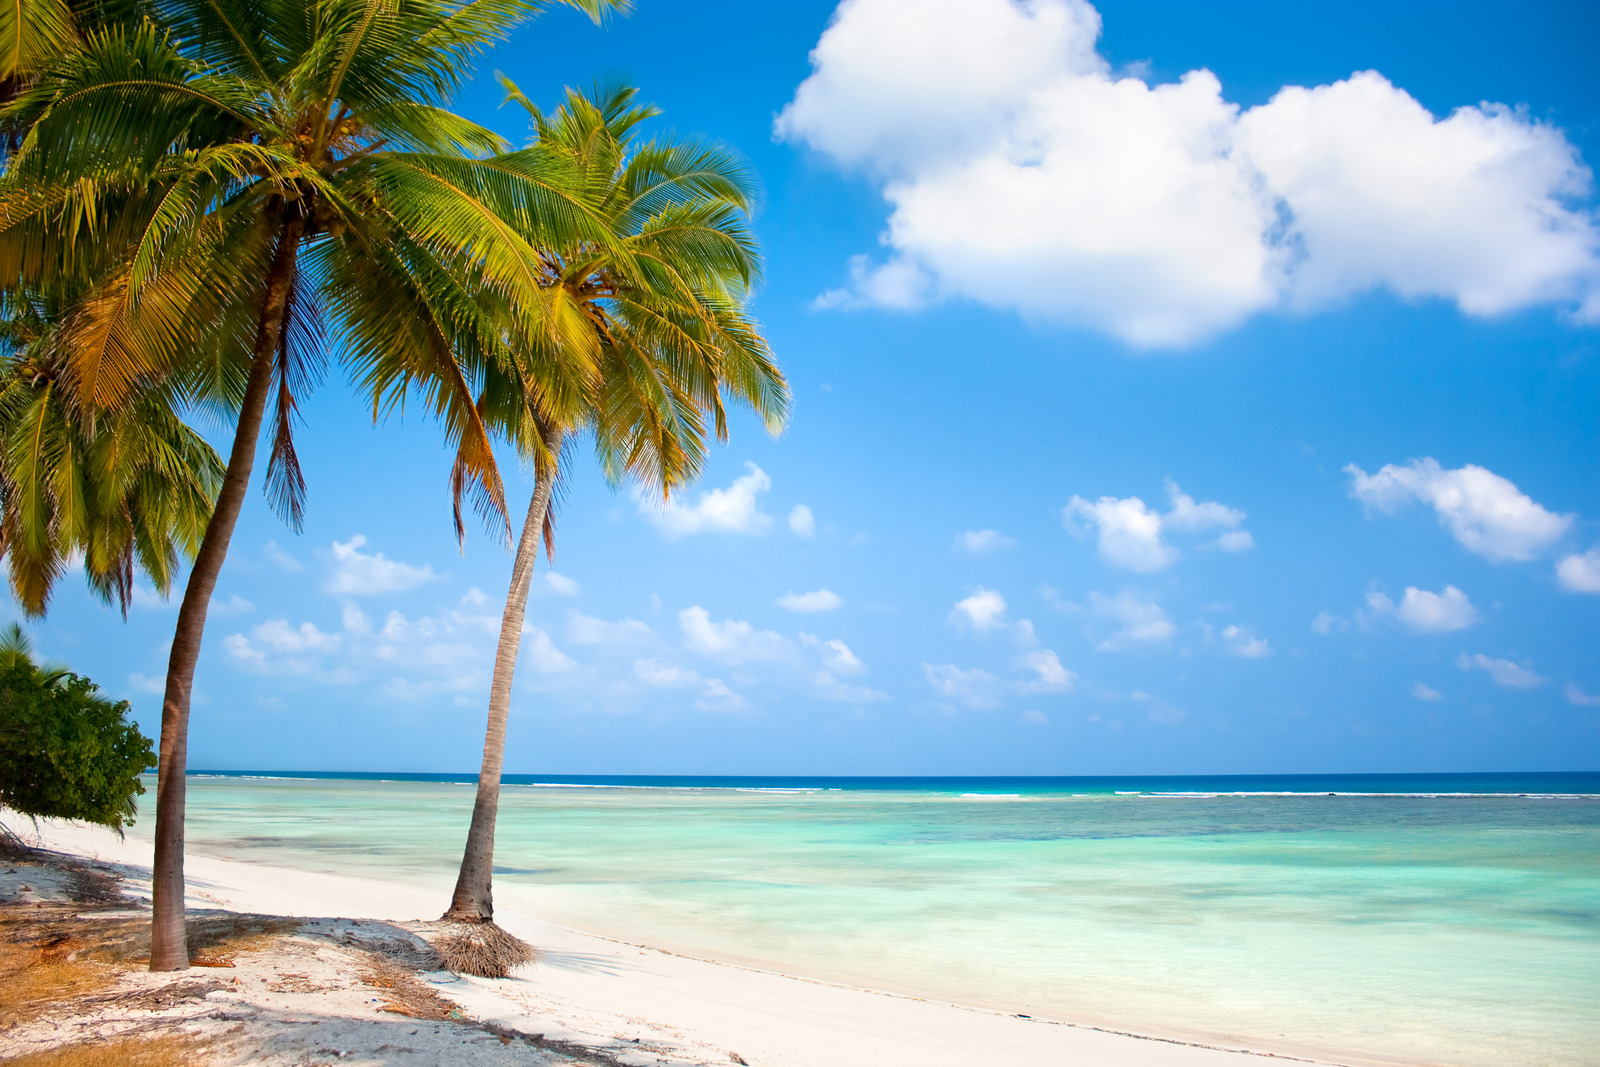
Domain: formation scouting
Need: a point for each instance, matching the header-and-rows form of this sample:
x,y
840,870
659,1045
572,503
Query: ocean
x,y
1450,919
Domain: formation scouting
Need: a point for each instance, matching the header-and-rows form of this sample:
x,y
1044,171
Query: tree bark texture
x,y
169,944
473,900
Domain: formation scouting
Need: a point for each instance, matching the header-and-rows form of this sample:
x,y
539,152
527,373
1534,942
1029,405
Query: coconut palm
x,y
132,486
673,340
245,185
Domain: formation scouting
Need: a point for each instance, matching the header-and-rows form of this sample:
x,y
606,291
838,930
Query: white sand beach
x,y
586,997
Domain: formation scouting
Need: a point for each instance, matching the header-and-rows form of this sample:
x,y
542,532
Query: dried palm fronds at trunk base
x,y
483,949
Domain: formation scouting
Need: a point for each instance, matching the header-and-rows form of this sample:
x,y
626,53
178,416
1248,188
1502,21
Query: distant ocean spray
x,y
1434,918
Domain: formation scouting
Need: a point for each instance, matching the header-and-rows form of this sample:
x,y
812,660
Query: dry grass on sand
x,y
263,990
162,1050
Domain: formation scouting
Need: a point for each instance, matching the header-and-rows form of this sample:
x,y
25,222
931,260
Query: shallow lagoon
x,y
1385,922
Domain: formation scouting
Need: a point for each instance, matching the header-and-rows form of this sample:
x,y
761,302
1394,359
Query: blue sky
x,y
1146,421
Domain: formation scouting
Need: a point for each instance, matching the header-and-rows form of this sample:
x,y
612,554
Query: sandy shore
x,y
589,998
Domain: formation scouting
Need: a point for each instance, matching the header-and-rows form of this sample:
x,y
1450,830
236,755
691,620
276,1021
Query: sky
x,y
1177,389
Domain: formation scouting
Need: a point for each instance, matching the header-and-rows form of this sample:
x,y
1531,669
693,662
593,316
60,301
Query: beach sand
x,y
336,986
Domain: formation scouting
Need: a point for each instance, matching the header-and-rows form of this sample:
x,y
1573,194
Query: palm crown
x,y
659,310
232,190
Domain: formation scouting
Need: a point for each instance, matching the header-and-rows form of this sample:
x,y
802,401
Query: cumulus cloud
x,y
357,573
1580,573
1488,514
733,641
731,510
233,605
1022,173
820,600
1579,698
1502,671
718,697
1327,622
802,522
145,684
835,655
588,630
561,585
1049,676
1429,613
973,688
542,653
404,656
659,672
982,542
1143,622
1426,692
826,686
1242,643
981,611
281,559
1130,532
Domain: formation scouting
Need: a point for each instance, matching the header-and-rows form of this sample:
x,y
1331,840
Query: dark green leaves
x,y
65,751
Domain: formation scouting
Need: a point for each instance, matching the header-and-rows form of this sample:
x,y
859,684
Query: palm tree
x,y
667,322
246,185
132,486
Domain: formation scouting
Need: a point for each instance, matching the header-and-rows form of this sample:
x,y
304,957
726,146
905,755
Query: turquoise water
x,y
1385,923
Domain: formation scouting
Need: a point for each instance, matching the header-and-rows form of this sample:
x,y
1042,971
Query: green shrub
x,y
65,751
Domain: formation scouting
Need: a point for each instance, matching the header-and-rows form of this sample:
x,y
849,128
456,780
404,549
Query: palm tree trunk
x,y
473,900
169,943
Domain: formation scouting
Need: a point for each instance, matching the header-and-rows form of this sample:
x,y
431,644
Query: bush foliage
x,y
65,751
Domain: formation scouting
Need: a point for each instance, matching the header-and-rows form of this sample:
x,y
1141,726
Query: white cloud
x,y
561,585
1579,698
1502,671
588,630
1327,622
1143,621
1187,514
1235,541
1441,612
1035,717
542,653
730,510
1049,675
659,672
820,600
974,688
1426,692
355,573
802,522
732,641
1580,573
982,542
1245,645
835,655
1130,531
142,596
1485,512
982,610
830,688
420,657
234,605
143,684
1021,173
281,559
718,697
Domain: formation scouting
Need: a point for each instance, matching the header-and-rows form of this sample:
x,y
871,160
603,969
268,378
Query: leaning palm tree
x,y
666,320
131,487
245,185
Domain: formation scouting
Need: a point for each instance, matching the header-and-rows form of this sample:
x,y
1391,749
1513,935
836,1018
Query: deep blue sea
x,y
1430,918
